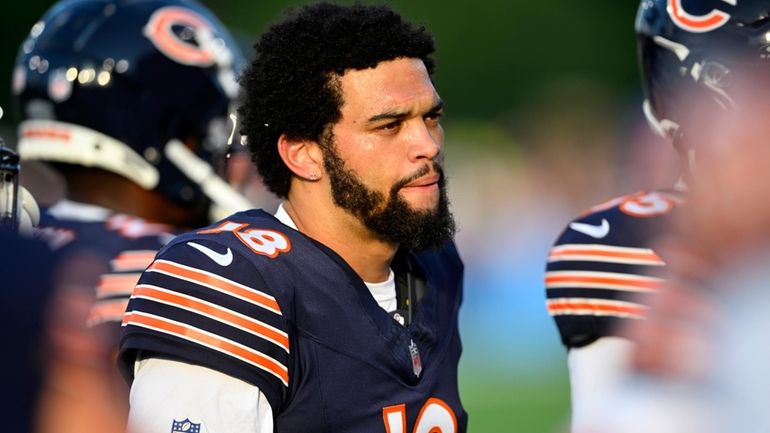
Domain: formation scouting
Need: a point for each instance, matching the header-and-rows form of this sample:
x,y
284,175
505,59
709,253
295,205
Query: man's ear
x,y
303,157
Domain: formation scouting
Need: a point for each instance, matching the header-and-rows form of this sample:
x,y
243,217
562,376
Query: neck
x,y
123,196
317,216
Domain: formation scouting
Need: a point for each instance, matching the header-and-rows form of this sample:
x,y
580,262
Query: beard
x,y
391,218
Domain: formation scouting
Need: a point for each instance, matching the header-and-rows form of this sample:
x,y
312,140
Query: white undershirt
x,y
165,390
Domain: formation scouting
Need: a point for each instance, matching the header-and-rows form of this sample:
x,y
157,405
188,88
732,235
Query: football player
x,y
607,267
339,313
129,103
51,382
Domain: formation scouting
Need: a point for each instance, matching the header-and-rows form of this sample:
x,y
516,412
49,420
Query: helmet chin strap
x,y
686,151
662,127
691,161
671,130
225,200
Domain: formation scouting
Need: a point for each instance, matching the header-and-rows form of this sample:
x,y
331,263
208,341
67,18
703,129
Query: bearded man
x,y
338,313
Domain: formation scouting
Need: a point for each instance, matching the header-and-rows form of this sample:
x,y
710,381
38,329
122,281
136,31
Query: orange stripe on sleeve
x,y
217,283
210,310
133,260
107,311
116,284
584,279
594,280
642,256
595,307
209,340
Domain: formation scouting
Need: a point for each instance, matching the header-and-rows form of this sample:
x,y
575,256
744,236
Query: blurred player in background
x,y
27,286
699,365
610,265
129,102
340,312
53,376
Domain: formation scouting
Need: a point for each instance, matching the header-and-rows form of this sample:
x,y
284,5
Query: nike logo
x,y
222,259
594,231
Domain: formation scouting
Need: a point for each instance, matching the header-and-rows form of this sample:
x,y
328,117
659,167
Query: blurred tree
x,y
17,20
494,56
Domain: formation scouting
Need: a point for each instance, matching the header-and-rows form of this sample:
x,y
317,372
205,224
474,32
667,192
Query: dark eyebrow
x,y
398,115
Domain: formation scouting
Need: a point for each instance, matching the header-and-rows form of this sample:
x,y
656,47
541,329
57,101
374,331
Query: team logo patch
x,y
194,46
222,259
185,426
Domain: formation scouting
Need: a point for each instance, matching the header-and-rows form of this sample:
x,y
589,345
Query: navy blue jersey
x,y
603,268
259,301
125,243
27,284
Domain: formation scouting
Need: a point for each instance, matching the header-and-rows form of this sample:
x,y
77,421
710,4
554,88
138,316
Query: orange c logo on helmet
x,y
160,31
697,23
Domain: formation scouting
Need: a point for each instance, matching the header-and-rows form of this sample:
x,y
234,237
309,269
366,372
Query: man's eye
x,y
434,117
390,126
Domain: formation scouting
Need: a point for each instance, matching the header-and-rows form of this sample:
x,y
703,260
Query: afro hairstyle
x,y
291,85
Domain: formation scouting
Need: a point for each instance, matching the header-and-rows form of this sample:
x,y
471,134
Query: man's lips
x,y
424,181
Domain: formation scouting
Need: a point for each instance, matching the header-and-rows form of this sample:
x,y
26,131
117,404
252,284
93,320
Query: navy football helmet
x,y
124,85
693,53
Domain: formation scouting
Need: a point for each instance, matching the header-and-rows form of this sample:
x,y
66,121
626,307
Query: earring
x,y
313,176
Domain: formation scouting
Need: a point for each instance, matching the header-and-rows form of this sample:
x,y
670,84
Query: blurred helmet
x,y
694,53
121,85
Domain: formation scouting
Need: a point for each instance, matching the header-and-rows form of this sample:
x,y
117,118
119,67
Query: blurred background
x,y
543,120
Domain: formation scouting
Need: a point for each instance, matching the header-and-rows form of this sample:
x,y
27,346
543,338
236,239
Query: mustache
x,y
422,171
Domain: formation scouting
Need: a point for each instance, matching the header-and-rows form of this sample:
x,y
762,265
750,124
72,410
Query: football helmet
x,y
124,85
693,53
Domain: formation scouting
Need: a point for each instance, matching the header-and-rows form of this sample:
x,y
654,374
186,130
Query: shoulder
x,y
204,300
105,235
603,267
628,221
250,232
125,245
231,253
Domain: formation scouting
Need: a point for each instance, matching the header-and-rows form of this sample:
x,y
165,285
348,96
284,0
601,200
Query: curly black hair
x,y
291,87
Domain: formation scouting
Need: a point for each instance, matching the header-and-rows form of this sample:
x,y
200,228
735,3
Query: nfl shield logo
x,y
185,426
416,363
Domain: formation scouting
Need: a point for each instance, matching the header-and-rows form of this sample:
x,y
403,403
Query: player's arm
x,y
204,340
593,287
165,392
595,372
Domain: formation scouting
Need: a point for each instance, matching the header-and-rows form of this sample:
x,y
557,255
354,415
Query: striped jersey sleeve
x,y
220,315
115,287
593,285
